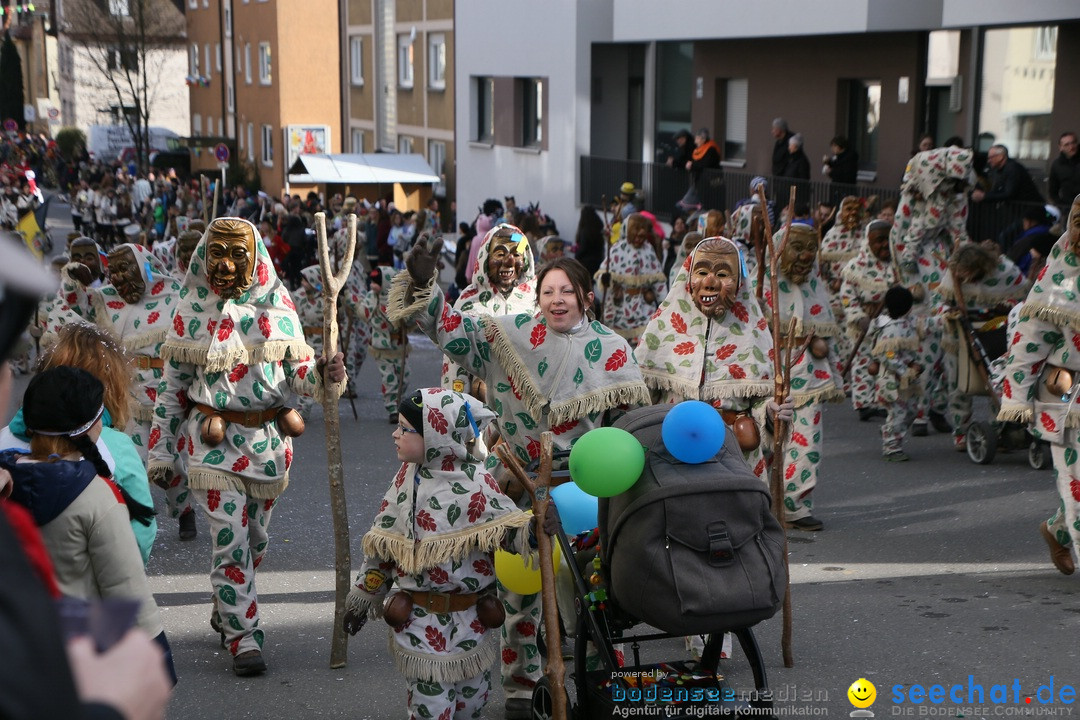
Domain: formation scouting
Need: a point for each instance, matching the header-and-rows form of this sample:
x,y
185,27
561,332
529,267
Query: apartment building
x,y
398,82
264,79
603,81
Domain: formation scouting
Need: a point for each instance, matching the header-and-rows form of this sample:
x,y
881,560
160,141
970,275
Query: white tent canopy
x,y
359,169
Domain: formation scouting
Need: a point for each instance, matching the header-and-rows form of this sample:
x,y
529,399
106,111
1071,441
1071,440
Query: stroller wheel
x,y
981,443
1039,455
543,701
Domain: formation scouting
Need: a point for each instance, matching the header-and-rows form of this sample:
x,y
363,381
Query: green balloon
x,y
606,461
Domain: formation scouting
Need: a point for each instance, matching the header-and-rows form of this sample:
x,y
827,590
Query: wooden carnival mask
x,y
799,254
230,257
185,247
126,275
85,252
504,262
715,275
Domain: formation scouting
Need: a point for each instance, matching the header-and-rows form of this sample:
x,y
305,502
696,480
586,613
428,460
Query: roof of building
x,y
360,169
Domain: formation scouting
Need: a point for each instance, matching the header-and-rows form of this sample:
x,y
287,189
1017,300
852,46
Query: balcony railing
x,y
661,187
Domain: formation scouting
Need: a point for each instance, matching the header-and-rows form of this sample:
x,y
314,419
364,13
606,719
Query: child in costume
x,y
309,307
435,537
895,357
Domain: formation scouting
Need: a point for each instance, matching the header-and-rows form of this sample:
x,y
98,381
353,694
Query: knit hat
x,y
412,409
898,301
63,401
758,180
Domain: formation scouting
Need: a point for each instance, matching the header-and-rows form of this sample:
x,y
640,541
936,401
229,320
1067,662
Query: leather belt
x,y
251,419
634,290
145,362
442,603
313,331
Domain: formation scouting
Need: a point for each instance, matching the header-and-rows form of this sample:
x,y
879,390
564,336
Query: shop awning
x,y
362,169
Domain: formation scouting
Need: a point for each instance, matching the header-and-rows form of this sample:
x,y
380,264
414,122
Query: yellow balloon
x,y
516,576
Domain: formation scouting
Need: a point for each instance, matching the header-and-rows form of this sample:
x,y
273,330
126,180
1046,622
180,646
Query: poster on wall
x,y
305,140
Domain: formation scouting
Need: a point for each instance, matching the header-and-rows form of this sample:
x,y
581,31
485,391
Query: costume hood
x,y
481,298
46,488
145,322
259,326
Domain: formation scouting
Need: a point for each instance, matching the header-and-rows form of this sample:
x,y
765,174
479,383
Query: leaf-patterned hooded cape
x,y
481,298
259,326
685,353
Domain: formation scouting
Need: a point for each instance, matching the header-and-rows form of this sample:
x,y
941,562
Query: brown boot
x,y
1059,554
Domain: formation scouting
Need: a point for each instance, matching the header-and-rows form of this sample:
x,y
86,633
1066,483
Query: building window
x,y
206,3
436,155
484,89
356,60
531,91
251,142
206,53
357,140
228,19
863,117
217,56
265,75
209,124
196,124
221,127
1017,93
194,59
118,59
404,145
736,99
247,63
267,145
193,4
405,61
437,61
120,8
231,93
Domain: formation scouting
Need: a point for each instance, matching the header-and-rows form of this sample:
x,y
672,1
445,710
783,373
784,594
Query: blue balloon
x,y
577,508
693,432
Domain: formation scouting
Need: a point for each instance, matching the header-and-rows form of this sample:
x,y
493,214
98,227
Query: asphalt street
x,y
927,572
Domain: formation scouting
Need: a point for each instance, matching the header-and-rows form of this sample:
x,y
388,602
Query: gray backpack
x,y
691,549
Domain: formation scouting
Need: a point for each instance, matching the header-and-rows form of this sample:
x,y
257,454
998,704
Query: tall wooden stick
x,y
202,198
554,668
781,388
332,284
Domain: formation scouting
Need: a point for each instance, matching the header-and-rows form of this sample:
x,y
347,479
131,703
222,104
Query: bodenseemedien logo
x,y
862,694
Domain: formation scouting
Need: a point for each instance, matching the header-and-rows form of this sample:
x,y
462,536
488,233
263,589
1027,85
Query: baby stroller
x,y
688,550
976,376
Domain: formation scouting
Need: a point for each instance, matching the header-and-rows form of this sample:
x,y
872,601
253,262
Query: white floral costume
x,y
633,271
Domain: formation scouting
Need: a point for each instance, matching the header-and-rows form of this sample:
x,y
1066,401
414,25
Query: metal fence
x,y
661,187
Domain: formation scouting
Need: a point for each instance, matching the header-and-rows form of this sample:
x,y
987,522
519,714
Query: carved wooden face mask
x,y
230,259
1074,226
798,257
504,263
86,253
185,247
126,275
714,277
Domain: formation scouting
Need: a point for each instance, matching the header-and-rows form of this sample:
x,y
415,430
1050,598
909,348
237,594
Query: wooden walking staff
x,y
781,388
554,668
332,284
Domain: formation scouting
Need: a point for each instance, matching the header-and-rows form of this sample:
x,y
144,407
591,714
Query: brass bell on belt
x,y
212,429
490,611
1059,381
290,422
819,347
398,609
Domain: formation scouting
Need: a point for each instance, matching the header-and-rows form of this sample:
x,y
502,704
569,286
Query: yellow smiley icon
x,y
862,693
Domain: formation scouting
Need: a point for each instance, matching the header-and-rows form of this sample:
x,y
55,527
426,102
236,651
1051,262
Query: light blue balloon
x,y
577,508
693,432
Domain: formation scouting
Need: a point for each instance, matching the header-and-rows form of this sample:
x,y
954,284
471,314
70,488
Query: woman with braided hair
x,y
66,485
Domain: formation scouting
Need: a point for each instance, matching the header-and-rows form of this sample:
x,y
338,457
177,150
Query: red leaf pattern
x,y
213,499
477,504
739,310
264,325
616,361
678,324
725,351
437,420
435,639
482,567
235,574
178,325
538,334
1047,422
425,521
736,371
684,348
438,576
241,464
799,439
225,329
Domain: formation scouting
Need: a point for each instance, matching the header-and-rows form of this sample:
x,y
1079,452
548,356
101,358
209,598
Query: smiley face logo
x,y
862,693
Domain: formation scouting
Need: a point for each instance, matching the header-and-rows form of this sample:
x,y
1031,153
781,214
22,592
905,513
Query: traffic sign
x,y
221,152
10,125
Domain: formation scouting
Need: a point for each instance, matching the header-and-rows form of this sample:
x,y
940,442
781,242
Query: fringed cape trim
x,y
627,393
1051,313
720,390
894,344
837,255
444,668
636,281
825,394
272,351
207,479
414,557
